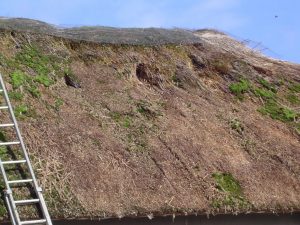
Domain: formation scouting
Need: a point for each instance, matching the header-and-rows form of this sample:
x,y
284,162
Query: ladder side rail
x,y
36,186
12,116
44,207
8,196
10,209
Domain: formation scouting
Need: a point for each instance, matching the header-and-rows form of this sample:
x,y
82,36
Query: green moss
x,y
44,79
123,119
232,194
116,116
295,87
226,183
266,84
34,91
41,64
42,69
277,112
18,78
30,70
21,111
292,98
127,122
15,95
266,94
34,59
239,88
58,103
11,63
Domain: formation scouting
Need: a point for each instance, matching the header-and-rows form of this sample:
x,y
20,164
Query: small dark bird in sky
x,y
276,16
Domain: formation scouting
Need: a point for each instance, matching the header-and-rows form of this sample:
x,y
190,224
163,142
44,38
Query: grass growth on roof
x,y
266,84
124,120
239,88
44,80
263,93
295,87
31,57
271,100
292,98
15,95
225,182
278,112
21,110
127,121
18,78
31,70
31,66
231,194
58,103
34,91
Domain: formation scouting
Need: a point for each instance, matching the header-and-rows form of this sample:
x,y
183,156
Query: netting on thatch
x,y
135,36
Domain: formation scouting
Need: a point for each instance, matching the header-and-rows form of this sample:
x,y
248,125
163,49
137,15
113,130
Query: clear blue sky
x,y
243,19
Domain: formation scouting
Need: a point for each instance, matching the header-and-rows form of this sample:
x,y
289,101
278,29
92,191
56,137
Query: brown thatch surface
x,y
100,34
157,129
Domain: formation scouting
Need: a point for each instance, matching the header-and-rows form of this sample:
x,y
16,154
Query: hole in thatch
x,y
70,81
74,45
141,72
263,70
144,74
197,63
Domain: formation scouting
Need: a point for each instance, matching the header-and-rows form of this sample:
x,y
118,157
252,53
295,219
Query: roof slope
x,y
100,34
196,128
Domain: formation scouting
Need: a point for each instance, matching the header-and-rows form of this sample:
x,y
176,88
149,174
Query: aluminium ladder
x,y
11,203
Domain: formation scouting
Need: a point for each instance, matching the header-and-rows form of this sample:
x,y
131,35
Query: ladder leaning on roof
x,y
11,184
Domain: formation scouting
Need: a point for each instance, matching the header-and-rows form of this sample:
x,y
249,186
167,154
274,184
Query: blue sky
x,y
244,19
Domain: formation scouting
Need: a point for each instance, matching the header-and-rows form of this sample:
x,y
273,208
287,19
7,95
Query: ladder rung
x,y
33,222
14,162
27,201
19,181
23,181
9,143
7,125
